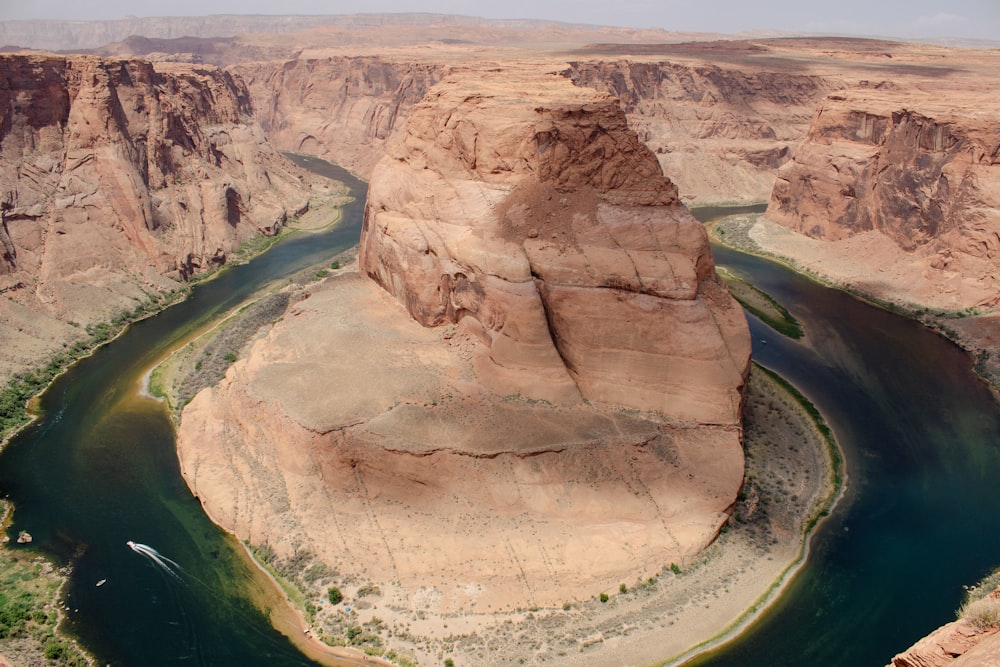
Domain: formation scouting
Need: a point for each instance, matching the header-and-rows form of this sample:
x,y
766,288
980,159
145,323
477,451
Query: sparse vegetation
x,y
981,607
216,355
23,386
983,613
29,592
762,305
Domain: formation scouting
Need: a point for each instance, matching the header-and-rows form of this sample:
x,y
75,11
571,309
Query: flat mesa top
x,y
513,85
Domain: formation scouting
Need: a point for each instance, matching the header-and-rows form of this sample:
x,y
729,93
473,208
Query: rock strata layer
x,y
119,178
907,185
453,431
541,223
957,644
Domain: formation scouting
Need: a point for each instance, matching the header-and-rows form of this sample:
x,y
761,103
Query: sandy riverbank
x,y
899,284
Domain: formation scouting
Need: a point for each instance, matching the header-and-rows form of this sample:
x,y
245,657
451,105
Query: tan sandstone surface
x,y
961,643
540,223
119,179
483,527
532,393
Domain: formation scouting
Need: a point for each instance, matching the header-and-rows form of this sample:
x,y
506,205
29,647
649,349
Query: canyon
x,y
495,246
120,179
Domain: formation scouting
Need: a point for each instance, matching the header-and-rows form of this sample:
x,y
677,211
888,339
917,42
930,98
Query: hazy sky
x,y
899,18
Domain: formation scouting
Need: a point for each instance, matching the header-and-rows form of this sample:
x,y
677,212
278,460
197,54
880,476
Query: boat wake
x,y
156,558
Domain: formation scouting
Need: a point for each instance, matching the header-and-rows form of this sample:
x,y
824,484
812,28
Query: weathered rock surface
x,y
719,130
118,179
957,644
540,221
353,433
343,109
915,178
536,252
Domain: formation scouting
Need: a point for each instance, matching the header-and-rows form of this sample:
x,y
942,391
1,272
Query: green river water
x,y
921,436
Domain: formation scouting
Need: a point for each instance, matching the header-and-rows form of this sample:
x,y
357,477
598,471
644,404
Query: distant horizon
x,y
977,20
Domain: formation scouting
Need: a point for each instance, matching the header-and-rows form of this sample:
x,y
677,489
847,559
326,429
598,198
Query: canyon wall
x,y
542,222
118,179
343,109
906,185
720,132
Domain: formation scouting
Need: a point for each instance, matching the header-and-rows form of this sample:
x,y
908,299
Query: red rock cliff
x,y
340,108
917,170
538,220
719,131
117,176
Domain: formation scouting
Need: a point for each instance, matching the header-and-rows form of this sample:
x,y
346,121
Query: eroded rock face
x,y
120,178
956,644
719,131
340,108
353,433
912,168
520,244
540,222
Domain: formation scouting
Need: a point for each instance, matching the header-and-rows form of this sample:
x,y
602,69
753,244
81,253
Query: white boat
x,y
102,582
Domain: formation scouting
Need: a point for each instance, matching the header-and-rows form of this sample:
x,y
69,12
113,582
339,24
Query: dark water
x,y
921,436
101,469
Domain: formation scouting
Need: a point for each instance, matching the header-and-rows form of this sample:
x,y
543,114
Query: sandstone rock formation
x,y
455,432
957,644
540,221
719,130
341,108
120,178
912,177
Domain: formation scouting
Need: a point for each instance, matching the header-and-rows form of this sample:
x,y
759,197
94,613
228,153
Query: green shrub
x,y
54,649
230,357
675,568
622,588
336,597
604,597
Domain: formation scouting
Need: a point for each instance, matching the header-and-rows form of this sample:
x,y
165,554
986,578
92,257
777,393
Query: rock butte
x,y
453,432
523,208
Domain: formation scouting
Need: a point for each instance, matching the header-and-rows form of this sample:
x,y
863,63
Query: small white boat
x,y
101,582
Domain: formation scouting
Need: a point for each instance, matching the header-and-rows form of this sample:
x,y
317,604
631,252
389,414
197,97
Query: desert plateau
x,y
419,339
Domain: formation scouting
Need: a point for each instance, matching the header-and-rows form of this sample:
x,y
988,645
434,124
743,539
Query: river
x,y
918,429
921,437
100,469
